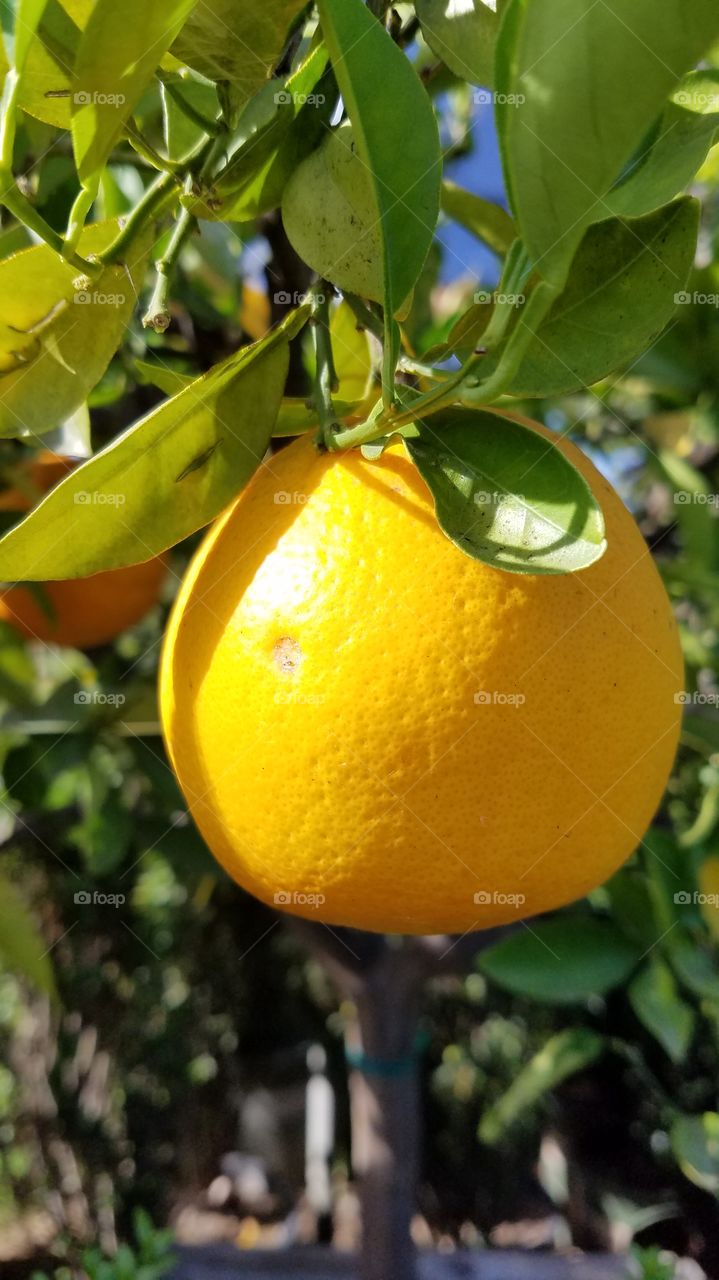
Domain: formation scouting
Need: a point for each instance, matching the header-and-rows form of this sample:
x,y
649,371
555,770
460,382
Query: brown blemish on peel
x,y
287,654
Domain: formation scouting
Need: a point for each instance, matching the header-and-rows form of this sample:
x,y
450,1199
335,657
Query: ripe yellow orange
x,y
81,612
372,729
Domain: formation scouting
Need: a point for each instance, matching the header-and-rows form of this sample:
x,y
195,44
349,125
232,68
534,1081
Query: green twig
x,y
78,214
148,152
157,316
158,197
365,316
10,195
461,385
20,207
8,118
326,380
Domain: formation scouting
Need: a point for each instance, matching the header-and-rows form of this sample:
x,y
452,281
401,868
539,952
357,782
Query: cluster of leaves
x,y
593,226
150,1260
157,969
639,995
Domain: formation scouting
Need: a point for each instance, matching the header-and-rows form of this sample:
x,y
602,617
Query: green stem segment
x,y
78,214
20,207
148,152
10,195
326,380
462,385
158,198
203,158
157,316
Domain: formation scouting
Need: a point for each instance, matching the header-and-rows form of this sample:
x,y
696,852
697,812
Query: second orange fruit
x,y
80,612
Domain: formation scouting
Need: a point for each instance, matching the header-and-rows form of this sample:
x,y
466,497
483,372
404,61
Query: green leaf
x,y
396,135
489,222
568,125
22,947
352,355
56,336
120,48
654,998
17,672
695,967
237,40
561,961
20,21
47,83
466,333
296,415
161,376
463,35
630,905
679,144
620,293
695,1143
329,213
693,508
182,133
166,476
103,836
507,495
564,1055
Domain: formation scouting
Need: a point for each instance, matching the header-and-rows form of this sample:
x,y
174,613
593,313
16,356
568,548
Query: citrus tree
x,y
423,678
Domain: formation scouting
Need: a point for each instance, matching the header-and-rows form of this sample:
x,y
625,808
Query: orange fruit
x,y
81,612
372,729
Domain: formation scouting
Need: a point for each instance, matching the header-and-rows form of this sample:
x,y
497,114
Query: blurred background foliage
x,y
137,1043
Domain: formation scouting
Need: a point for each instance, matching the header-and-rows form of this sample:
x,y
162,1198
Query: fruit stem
x,y
461,386
326,380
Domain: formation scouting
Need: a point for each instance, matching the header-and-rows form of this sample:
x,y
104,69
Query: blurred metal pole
x,y
384,979
385,1112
